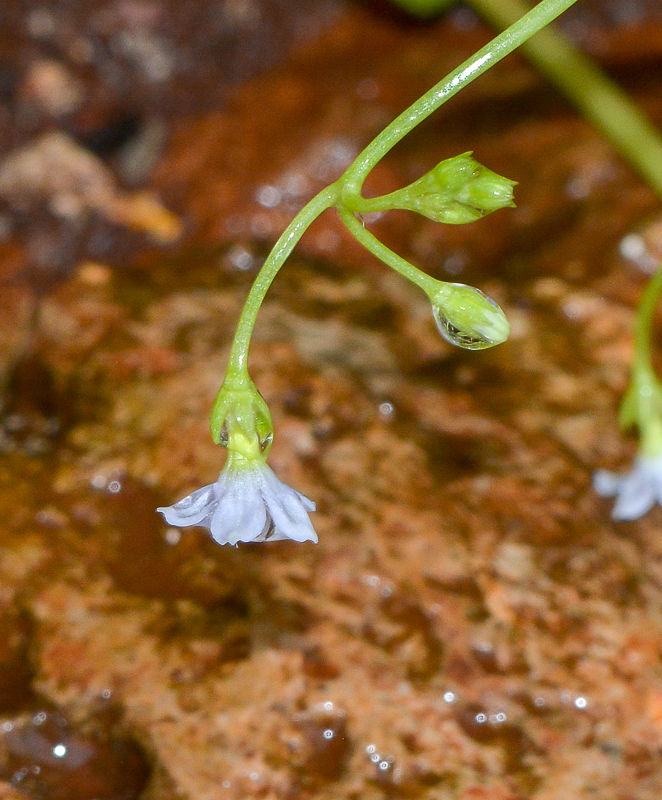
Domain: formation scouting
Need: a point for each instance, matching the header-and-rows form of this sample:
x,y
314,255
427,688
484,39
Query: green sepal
x,y
240,419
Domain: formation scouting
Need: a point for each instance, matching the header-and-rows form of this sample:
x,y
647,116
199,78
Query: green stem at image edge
x,y
345,193
642,402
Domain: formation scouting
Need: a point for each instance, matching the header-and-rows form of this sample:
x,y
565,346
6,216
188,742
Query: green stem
x,y
642,403
596,95
643,328
347,190
237,363
391,259
487,57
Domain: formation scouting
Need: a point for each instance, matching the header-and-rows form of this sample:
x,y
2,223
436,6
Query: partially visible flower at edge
x,y
247,503
636,492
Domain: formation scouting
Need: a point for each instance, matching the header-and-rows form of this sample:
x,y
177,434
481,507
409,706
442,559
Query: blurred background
x,y
472,625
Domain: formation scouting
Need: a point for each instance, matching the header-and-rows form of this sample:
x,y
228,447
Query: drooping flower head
x,y
247,503
640,489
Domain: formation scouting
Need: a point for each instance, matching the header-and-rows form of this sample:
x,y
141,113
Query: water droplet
x,y
386,410
468,318
468,340
269,196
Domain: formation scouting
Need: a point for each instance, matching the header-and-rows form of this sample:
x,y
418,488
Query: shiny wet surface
x,y
472,624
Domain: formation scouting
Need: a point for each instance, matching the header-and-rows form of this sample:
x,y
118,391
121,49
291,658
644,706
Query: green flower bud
x,y
467,317
240,419
456,191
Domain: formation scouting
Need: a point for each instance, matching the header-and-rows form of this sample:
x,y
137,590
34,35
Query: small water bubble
x,y
386,410
19,776
172,536
539,702
240,258
367,89
328,733
268,196
498,718
450,697
384,765
295,184
481,718
580,702
7,727
632,247
254,776
226,784
114,487
370,749
99,482
60,751
375,758
327,705
39,718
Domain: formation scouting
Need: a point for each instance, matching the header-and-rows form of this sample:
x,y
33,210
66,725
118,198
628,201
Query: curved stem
x,y
487,57
643,328
237,364
385,254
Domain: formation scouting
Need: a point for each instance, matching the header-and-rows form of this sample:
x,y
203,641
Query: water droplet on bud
x,y
468,318
460,338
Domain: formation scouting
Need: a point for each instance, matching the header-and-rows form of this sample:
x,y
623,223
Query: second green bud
x,y
456,191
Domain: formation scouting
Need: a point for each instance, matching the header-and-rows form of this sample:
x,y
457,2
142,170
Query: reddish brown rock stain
x,y
47,760
464,566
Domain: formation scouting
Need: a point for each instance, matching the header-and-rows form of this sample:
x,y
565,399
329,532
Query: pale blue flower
x,y
636,492
247,503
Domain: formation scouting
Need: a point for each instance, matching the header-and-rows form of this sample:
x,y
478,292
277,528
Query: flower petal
x,y
288,509
636,492
193,509
606,484
241,515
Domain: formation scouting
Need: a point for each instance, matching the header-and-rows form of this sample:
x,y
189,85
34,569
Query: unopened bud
x,y
456,191
468,318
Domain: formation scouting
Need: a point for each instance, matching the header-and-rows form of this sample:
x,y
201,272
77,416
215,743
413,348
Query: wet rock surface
x,y
471,625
